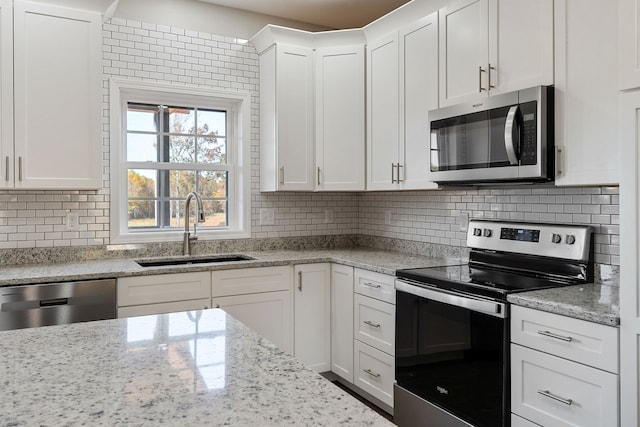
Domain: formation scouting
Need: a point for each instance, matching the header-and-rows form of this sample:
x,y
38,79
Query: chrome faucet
x,y
188,239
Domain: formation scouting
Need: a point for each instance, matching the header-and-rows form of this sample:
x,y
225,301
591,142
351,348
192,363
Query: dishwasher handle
x,y
54,302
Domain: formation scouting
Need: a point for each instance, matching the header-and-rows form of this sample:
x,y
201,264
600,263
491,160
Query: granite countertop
x,y
370,259
598,303
188,368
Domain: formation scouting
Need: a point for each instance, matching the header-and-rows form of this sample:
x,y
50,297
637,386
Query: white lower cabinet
x,y
563,370
267,313
374,371
517,421
163,293
342,321
374,323
312,315
261,298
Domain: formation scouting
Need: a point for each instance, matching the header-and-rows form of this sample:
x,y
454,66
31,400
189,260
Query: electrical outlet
x,y
267,216
73,221
387,217
328,216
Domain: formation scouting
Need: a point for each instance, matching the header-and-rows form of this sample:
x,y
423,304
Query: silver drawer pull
x,y
370,323
556,336
373,374
372,285
547,393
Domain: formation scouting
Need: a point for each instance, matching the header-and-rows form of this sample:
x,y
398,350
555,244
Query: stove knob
x,y
556,238
487,232
477,232
570,239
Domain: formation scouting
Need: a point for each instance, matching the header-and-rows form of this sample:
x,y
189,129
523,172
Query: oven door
x,y
451,359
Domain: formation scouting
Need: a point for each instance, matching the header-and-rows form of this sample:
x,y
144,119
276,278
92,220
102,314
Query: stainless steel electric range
x,y
452,322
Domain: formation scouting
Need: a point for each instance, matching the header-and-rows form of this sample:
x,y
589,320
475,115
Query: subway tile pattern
x,y
395,220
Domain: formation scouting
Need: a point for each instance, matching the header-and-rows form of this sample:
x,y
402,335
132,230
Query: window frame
x,y
238,106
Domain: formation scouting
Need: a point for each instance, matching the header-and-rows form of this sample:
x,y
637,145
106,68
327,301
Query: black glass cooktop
x,y
488,282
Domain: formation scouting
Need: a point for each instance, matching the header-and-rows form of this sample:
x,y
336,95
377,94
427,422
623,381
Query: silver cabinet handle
x,y
512,135
318,175
300,281
490,85
398,180
556,336
20,168
372,285
558,161
370,323
217,305
373,374
547,393
6,168
480,71
282,175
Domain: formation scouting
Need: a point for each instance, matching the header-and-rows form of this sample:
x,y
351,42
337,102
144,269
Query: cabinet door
x,y
418,95
520,44
340,142
464,45
6,94
630,259
586,93
162,288
294,115
312,318
57,53
342,321
168,307
629,33
382,113
270,314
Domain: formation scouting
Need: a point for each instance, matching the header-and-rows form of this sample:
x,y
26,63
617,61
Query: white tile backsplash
x,y
144,51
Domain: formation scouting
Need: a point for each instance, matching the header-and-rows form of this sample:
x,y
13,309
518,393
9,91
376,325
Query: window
x,y
167,142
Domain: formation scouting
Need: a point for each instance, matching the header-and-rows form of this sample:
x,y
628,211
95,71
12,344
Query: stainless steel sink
x,y
192,260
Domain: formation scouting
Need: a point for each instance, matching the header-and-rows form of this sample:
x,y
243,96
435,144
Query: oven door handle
x,y
491,308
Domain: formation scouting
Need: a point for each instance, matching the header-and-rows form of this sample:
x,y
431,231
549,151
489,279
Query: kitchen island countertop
x,y
187,368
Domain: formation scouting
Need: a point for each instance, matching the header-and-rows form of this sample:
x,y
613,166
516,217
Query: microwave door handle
x,y
512,135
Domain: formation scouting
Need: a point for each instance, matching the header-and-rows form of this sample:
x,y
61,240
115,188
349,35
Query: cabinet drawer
x,y
167,307
374,371
585,342
375,285
251,280
374,323
551,391
517,421
163,288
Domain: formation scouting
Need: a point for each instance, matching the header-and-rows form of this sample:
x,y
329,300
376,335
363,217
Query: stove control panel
x,y
554,240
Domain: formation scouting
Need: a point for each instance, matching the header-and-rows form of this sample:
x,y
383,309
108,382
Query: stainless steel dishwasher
x,y
29,306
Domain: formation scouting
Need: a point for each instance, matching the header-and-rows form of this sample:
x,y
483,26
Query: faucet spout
x,y
187,238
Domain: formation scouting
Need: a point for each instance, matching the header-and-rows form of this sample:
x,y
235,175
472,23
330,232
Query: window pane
x,y
142,147
181,120
141,183
215,213
182,149
181,183
141,213
212,122
142,117
212,150
212,184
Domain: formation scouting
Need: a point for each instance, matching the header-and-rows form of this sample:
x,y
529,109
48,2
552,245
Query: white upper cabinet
x,y
6,94
586,92
339,88
311,110
629,32
402,86
494,46
57,97
286,118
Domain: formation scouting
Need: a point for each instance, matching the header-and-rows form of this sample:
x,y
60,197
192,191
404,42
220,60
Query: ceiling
x,y
335,14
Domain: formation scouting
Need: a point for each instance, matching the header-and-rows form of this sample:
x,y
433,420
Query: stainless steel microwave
x,y
507,137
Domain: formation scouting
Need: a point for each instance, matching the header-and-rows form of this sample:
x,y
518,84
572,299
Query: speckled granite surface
x,y
597,303
370,259
187,369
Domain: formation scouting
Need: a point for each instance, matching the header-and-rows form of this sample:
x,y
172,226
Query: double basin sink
x,y
192,260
